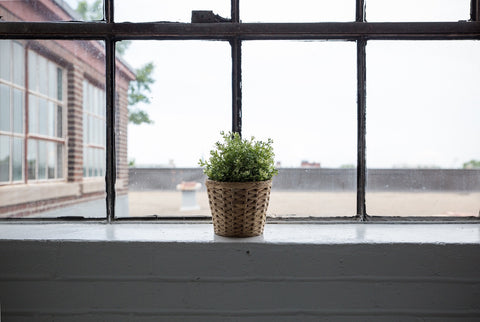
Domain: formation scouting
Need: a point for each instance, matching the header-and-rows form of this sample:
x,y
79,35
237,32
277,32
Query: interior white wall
x,y
117,279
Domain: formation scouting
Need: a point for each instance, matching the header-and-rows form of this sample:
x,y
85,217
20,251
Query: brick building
x,y
52,116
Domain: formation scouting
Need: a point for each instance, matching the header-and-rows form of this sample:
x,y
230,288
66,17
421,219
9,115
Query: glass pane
x,y
47,114
5,108
42,75
65,10
97,162
190,103
167,10
422,128
93,131
42,117
59,84
59,160
52,80
297,11
32,71
17,159
4,158
52,159
42,160
5,59
417,10
32,160
103,162
33,114
303,96
18,64
18,108
59,121
51,120
90,162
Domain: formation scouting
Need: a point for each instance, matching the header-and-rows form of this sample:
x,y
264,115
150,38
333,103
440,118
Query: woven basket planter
x,y
238,208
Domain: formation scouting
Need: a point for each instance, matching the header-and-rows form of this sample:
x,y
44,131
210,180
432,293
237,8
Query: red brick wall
x,y
75,124
80,60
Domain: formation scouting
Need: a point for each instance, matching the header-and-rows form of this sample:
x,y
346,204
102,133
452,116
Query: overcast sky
x,y
423,105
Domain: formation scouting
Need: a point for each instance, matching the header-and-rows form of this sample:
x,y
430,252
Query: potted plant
x,y
240,173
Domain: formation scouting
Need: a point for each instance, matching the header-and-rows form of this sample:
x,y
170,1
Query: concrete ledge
x,y
19,194
295,272
275,233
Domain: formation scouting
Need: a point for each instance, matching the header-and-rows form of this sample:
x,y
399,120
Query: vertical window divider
x,y
474,10
110,173
236,45
360,11
361,115
25,114
361,129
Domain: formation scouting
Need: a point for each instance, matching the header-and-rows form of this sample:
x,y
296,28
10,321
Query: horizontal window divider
x,y
13,134
94,146
46,138
244,31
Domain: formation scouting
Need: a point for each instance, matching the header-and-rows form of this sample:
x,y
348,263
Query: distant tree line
x,y
472,164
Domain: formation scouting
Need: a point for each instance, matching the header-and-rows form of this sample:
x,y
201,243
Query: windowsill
x,y
275,233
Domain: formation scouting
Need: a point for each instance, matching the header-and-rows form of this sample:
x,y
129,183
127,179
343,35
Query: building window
x,y
46,105
278,71
12,111
40,105
93,130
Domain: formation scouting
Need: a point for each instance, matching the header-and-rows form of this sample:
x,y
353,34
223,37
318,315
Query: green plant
x,y
240,160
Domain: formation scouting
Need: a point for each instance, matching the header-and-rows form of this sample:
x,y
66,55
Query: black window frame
x,y
235,32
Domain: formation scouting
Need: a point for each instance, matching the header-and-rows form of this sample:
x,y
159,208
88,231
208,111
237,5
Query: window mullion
x,y
108,6
475,10
361,128
236,45
235,9
360,11
110,173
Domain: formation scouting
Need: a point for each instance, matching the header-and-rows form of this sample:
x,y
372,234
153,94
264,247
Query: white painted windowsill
x,y
275,233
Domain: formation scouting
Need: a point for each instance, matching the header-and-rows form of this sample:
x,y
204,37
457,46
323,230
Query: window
x,y
46,105
12,111
93,130
39,104
334,89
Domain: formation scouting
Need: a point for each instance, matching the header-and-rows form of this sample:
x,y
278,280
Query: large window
x,y
371,107
30,95
93,130
12,111
46,110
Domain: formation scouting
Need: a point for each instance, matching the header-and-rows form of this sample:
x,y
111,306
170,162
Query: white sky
x,y
423,103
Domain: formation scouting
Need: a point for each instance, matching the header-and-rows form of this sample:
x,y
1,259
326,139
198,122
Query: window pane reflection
x,y
41,128
303,96
38,11
4,158
422,131
190,103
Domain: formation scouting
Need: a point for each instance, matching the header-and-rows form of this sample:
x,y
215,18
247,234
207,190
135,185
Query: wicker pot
x,y
238,208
